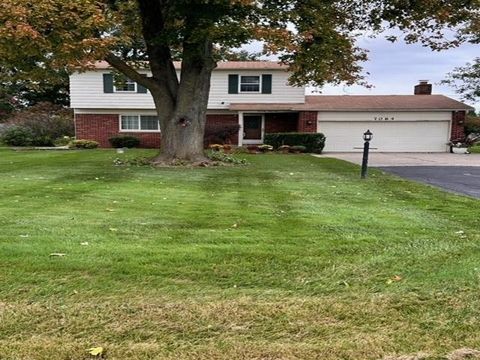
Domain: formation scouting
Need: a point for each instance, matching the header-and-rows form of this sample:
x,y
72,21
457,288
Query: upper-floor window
x,y
139,123
250,84
123,84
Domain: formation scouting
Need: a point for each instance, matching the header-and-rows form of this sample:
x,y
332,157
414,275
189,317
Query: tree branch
x,y
129,71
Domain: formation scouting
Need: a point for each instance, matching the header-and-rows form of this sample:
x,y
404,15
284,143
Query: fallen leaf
x,y
96,351
84,243
234,225
57,254
110,210
113,229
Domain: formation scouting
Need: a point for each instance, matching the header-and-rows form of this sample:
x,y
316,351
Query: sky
x,y
395,68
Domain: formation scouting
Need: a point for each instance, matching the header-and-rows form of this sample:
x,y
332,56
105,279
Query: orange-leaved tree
x,y
315,38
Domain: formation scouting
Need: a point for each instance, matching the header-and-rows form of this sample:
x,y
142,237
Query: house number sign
x,y
384,118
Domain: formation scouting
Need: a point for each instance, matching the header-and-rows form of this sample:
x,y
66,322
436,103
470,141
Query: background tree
x,y
466,80
315,38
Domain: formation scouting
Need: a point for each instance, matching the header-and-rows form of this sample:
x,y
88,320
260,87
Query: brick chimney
x,y
423,88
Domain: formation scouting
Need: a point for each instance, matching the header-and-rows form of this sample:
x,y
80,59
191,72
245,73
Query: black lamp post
x,y
367,136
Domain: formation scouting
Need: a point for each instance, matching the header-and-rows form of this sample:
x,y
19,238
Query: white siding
x,y
86,92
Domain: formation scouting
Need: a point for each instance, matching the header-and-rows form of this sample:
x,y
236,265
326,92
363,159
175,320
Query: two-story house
x,y
256,95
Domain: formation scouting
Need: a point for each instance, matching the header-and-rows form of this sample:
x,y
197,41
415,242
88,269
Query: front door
x,y
252,128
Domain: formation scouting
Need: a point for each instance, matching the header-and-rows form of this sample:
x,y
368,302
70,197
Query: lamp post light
x,y
367,136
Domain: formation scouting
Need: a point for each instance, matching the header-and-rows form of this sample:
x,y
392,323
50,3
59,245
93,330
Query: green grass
x,y
290,257
474,149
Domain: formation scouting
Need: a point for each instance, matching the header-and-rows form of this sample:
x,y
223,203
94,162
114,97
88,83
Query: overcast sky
x,y
396,67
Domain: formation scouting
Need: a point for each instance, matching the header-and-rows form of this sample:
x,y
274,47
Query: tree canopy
x,y
315,38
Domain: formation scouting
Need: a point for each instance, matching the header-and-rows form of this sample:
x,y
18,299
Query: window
x,y
122,84
249,83
139,123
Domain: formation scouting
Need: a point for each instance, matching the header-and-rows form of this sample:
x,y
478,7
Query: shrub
x,y
124,141
472,124
224,158
313,142
17,136
63,141
220,134
83,144
46,122
298,149
215,147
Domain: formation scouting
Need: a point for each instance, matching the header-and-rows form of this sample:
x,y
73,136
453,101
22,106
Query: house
x,y
256,95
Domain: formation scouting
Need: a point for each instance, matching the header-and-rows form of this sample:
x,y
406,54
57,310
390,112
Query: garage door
x,y
407,136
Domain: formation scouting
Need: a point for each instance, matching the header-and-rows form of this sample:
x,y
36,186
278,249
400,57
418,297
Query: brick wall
x,y
101,127
307,121
458,125
281,122
224,119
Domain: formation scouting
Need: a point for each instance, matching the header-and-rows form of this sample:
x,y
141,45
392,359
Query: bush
x,y
63,141
220,156
17,136
125,141
220,134
313,142
46,123
472,124
83,144
298,149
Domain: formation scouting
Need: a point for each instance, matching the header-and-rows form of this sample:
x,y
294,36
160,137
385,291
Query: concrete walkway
x,y
409,159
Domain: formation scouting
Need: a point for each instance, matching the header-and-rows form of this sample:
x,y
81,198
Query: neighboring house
x,y
256,95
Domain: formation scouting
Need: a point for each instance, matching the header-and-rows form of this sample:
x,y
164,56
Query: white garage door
x,y
388,136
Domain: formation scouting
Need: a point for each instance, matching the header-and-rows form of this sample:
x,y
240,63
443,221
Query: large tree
x,y
316,38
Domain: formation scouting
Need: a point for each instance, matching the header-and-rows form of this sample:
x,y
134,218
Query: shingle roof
x,y
225,65
360,103
383,102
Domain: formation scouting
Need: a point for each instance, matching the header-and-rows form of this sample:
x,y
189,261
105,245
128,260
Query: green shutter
x,y
108,83
233,84
266,84
140,88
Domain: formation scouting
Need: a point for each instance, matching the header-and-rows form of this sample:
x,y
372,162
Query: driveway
x,y
410,159
452,172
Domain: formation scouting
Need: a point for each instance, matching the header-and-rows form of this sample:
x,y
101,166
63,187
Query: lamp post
x,y
367,136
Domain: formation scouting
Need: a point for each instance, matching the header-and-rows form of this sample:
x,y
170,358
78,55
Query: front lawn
x,y
290,257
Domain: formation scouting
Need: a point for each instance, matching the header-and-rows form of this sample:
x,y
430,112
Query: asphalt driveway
x,y
452,172
459,179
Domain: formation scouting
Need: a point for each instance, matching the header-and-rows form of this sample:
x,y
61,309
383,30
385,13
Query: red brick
x,y
101,127
458,125
307,121
281,122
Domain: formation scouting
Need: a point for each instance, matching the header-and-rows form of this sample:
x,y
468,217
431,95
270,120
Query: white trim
x,y
240,129
250,92
241,134
139,124
135,87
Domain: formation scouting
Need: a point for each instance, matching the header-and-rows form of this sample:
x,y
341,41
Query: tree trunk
x,y
182,121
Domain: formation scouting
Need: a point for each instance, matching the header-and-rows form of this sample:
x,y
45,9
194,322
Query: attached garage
x,y
393,131
399,123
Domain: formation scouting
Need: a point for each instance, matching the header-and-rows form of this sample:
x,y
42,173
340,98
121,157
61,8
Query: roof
x,y
224,65
383,102
361,103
